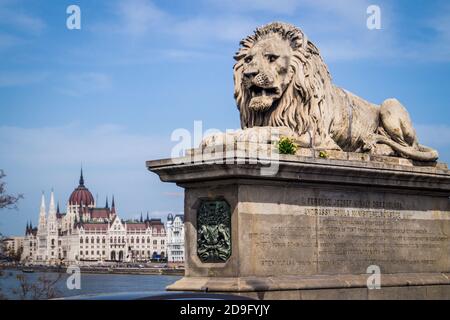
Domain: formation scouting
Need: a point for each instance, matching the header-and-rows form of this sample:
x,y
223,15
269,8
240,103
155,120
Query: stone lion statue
x,y
281,81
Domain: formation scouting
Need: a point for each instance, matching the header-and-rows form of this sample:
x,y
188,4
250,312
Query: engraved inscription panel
x,y
328,235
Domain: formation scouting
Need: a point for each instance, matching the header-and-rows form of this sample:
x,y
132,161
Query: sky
x,y
109,95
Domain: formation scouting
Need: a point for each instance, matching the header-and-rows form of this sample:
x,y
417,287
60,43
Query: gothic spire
x,y
113,206
43,203
42,214
141,218
81,178
51,209
106,205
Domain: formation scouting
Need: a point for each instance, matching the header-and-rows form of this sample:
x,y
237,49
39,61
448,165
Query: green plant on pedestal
x,y
287,146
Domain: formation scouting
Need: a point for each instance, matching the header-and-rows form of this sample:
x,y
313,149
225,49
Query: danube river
x,y
90,283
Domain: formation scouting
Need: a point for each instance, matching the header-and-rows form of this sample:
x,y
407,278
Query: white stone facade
x,y
13,245
90,234
175,238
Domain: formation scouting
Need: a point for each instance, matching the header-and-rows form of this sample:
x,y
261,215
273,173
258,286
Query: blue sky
x,y
110,95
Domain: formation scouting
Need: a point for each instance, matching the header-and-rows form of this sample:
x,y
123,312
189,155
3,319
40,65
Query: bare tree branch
x,y
7,201
45,287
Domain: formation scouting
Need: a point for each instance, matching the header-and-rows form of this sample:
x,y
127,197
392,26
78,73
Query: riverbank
x,y
90,283
101,270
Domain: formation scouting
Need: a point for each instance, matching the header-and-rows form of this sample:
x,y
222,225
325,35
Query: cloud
x,y
340,29
19,20
206,30
82,84
139,16
438,48
113,162
14,79
8,41
105,144
273,6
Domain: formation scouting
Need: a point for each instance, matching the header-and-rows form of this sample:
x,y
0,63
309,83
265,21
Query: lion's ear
x,y
238,56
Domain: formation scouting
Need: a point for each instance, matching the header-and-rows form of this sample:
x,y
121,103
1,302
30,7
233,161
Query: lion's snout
x,y
262,80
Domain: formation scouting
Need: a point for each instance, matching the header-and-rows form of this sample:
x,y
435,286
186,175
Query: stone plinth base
x,y
395,286
312,227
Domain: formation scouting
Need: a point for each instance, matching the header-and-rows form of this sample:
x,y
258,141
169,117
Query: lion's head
x,y
280,79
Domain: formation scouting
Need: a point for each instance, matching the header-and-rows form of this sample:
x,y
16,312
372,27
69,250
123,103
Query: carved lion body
x,y
282,81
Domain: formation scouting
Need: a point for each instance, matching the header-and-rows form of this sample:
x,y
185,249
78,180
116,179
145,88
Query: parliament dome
x,y
81,195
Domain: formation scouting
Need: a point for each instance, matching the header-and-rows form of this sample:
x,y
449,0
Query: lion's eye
x,y
248,59
272,57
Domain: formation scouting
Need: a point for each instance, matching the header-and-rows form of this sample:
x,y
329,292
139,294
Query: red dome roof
x,y
81,194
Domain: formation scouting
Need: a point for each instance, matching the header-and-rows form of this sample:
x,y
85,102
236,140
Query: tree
x,y
17,255
7,201
44,288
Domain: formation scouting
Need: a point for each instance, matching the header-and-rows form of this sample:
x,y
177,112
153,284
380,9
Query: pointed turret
x,y
113,206
106,204
141,218
42,213
51,223
42,209
146,220
52,208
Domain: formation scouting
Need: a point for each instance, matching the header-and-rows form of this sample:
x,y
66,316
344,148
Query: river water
x,y
90,283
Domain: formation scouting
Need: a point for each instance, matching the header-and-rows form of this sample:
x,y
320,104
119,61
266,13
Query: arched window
x,y
148,239
137,239
81,240
132,240
92,240
98,239
87,240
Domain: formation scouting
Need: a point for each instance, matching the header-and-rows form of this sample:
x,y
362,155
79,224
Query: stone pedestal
x,y
312,228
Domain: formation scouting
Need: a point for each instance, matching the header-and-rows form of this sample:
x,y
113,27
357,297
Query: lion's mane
x,y
308,94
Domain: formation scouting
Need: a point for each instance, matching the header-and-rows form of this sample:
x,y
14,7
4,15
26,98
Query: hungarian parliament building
x,y
92,234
